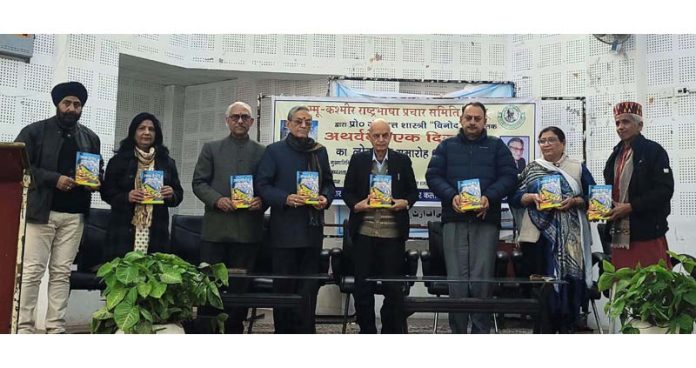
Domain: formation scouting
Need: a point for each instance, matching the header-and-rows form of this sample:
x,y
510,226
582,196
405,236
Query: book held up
x,y
600,202
381,191
152,183
242,188
550,192
308,185
470,194
87,169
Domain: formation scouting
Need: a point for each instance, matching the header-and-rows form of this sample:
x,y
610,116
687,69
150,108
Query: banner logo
x,y
511,117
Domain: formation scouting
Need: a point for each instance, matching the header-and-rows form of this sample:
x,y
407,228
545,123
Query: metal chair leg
x,y
596,316
495,323
345,313
435,322
252,319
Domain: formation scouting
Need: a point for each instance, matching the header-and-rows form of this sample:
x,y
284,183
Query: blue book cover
x,y
152,183
600,202
470,194
87,169
308,185
242,187
550,192
381,190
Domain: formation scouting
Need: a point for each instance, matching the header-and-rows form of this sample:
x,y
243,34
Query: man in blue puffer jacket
x,y
470,237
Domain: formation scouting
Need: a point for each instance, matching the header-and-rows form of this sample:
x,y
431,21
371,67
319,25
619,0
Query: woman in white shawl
x,y
556,242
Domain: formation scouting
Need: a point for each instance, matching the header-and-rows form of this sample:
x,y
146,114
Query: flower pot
x,y
168,328
646,327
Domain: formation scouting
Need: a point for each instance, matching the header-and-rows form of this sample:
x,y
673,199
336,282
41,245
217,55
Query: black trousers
x,y
379,257
233,255
296,261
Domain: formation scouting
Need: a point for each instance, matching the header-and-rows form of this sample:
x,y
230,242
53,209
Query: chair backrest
x,y
93,245
435,247
186,237
347,263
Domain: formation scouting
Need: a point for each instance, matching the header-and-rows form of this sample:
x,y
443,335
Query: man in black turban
x,y
69,99
57,206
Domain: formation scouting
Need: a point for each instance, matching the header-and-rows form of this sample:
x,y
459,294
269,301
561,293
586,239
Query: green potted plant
x,y
652,295
144,291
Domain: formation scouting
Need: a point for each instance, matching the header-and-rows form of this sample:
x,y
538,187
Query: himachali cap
x,y
628,108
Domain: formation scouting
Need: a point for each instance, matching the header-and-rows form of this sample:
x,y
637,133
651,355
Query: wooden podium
x,y
14,183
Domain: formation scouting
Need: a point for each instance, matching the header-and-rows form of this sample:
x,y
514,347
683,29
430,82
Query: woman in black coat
x,y
133,225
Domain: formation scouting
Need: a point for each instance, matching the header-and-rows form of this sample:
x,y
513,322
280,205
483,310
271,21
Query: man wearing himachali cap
x,y
642,186
56,206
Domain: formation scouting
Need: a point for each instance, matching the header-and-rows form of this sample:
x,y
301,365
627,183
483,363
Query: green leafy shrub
x,y
143,290
654,294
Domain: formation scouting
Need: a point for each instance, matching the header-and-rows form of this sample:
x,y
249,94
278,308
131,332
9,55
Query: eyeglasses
x,y
302,122
236,117
477,119
518,149
547,140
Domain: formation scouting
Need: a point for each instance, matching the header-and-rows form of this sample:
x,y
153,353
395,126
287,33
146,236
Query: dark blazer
x,y
119,180
43,141
458,158
276,178
356,187
650,190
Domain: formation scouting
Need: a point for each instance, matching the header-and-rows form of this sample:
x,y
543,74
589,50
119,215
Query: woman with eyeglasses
x,y
556,242
135,225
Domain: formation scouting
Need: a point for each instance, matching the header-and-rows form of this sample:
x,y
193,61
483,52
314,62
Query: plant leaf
x,y
686,323
144,327
608,267
144,289
158,289
105,269
115,296
690,297
134,256
132,296
146,314
126,316
214,298
170,276
102,314
127,275
221,273
605,282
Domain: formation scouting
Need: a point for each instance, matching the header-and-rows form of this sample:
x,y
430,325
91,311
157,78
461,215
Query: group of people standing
x,y
554,242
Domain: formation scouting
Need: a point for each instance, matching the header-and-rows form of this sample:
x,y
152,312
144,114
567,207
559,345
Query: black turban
x,y
62,90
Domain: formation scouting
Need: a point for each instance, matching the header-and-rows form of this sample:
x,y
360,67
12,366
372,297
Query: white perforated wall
x,y
649,69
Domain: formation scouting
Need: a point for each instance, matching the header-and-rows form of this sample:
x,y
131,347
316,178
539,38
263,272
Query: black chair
x,y
185,242
433,261
186,237
93,251
342,266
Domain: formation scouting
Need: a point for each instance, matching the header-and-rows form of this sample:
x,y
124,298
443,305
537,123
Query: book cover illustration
x,y
550,192
152,182
308,185
600,202
470,194
87,169
381,190
242,187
